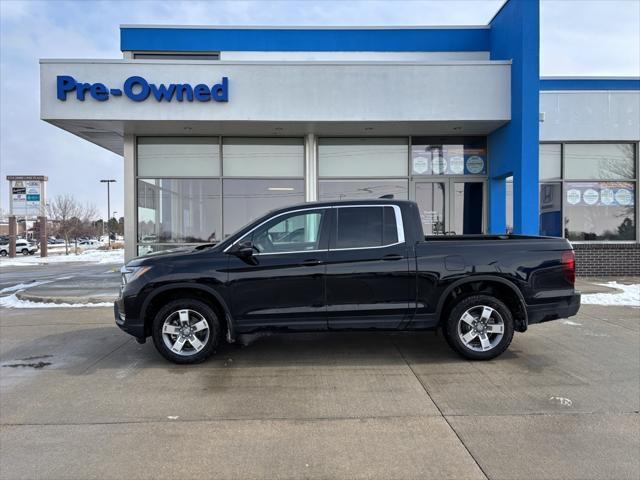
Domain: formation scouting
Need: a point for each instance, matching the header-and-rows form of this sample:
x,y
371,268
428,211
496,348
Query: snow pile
x,y
14,302
90,256
629,296
24,286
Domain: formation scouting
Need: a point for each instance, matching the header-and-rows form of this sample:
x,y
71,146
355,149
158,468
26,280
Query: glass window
x,y
247,199
599,161
363,157
448,156
178,157
509,204
550,165
551,209
178,210
330,190
599,210
365,227
294,233
263,157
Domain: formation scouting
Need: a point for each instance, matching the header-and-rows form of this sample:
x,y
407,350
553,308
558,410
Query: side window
x,y
361,227
293,233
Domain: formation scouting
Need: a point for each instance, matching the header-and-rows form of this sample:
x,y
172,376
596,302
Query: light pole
x,y
108,182
115,215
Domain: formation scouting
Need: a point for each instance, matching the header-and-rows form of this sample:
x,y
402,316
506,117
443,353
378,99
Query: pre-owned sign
x,y
139,89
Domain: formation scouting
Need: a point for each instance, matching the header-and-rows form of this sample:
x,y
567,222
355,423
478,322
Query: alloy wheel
x,y
481,328
185,332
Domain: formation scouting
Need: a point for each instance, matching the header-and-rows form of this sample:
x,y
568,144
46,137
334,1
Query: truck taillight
x,y
569,266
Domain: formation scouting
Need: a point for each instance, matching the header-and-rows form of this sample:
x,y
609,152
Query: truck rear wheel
x,y
479,327
186,331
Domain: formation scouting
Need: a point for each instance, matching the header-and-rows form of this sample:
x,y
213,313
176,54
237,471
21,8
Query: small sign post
x,y
27,195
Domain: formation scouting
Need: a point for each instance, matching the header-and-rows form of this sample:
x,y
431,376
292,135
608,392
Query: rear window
x,y
361,227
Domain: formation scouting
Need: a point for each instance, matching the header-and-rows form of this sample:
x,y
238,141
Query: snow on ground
x,y
629,296
14,302
24,286
91,256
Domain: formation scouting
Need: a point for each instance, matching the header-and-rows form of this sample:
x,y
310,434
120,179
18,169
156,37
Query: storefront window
x,y
605,161
363,157
331,190
550,164
178,157
448,156
263,157
551,209
247,199
172,210
600,210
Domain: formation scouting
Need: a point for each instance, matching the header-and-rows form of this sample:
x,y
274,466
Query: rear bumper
x,y
564,308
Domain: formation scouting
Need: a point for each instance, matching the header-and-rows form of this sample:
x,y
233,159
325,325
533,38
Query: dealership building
x,y
218,125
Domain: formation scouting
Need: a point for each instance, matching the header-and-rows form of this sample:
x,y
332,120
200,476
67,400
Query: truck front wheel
x,y
479,327
186,331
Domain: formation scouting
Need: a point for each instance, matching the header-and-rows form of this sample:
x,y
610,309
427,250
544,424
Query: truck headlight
x,y
129,274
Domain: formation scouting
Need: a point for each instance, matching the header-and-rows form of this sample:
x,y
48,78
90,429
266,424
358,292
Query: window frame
x,y
221,177
635,181
399,227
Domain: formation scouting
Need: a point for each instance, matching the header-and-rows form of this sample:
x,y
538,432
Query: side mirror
x,y
243,249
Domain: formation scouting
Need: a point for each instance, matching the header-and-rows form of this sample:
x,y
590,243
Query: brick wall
x,y
610,259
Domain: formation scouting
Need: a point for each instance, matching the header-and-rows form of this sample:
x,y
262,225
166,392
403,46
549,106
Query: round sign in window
x,y
420,165
573,196
590,196
456,165
439,166
624,197
475,164
606,196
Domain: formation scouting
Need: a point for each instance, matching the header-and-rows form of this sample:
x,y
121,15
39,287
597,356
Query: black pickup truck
x,y
347,266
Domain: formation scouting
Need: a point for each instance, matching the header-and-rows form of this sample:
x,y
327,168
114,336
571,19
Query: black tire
x,y
3,253
452,324
171,309
25,251
32,252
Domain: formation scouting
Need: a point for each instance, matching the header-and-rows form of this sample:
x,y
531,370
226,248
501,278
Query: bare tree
x,y
71,219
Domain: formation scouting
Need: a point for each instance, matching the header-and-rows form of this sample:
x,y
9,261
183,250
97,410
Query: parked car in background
x,y
352,265
22,246
89,244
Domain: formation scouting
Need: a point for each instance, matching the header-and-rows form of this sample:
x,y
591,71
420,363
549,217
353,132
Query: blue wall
x,y
590,84
301,40
513,148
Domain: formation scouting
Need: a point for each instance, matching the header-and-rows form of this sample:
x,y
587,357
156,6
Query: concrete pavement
x,y
563,402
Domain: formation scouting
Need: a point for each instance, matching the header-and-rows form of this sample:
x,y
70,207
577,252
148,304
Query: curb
x,y
70,300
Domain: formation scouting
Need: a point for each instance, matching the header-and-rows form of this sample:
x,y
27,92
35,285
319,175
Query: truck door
x,y
282,283
367,276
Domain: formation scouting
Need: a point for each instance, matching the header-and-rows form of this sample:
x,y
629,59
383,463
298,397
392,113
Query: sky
x,y
578,37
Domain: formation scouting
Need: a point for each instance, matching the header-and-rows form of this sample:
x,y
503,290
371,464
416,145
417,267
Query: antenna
x,y
388,196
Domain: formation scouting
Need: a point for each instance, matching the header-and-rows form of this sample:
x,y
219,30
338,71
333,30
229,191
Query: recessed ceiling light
x,y
281,189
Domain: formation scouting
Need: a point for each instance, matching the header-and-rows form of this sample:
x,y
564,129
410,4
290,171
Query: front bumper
x,y
563,308
132,326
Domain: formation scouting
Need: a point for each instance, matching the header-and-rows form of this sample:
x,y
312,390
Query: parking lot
x,y
80,399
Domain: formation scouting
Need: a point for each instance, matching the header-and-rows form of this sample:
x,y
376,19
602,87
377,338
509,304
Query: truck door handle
x,y
310,262
392,256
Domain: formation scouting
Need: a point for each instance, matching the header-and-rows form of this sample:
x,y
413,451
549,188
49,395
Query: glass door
x,y
467,214
432,200
451,206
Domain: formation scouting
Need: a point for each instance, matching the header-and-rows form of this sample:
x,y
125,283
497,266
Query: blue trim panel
x,y
513,148
305,40
590,84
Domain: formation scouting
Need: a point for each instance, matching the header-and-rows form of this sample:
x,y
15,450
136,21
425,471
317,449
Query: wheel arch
x,y
501,288
161,295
